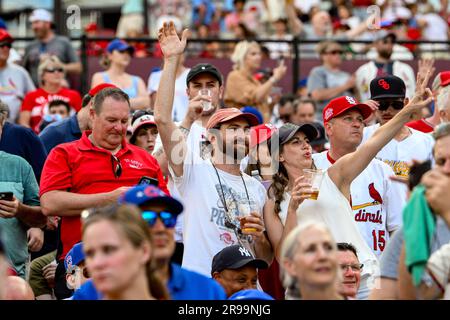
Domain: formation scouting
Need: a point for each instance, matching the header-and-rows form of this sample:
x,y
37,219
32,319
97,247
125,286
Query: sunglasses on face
x,y
53,70
116,166
84,270
168,218
355,267
335,52
385,104
5,44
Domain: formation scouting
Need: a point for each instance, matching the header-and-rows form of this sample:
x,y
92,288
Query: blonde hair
x,y
129,220
45,63
288,250
240,51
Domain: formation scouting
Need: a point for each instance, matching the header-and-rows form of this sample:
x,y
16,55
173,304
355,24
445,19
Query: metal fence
x,y
300,51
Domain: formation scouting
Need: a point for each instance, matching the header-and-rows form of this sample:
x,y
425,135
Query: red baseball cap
x,y
5,36
227,114
445,78
99,88
261,133
341,104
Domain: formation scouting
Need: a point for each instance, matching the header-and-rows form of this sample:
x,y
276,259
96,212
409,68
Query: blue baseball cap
x,y
119,45
148,194
302,83
254,111
74,257
3,24
250,294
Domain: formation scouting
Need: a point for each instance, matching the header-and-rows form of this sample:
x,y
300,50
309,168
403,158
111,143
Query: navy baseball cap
x,y
388,86
250,294
235,257
148,194
254,111
74,257
119,45
204,68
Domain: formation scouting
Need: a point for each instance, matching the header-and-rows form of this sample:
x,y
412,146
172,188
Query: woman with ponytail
x,y
117,245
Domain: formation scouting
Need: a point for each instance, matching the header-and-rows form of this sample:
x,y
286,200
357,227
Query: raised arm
x,y
347,168
171,136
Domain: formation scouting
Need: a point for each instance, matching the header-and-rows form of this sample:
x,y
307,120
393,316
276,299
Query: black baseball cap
x,y
288,130
204,68
321,138
388,86
235,257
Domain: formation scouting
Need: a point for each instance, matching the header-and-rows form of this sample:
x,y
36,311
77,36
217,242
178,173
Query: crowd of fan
x,y
195,185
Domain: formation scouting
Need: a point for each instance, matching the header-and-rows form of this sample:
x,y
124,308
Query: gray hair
x,y
443,99
288,250
4,112
115,93
240,51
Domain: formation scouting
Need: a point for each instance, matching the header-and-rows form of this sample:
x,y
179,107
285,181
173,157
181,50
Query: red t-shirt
x,y
421,125
37,103
82,168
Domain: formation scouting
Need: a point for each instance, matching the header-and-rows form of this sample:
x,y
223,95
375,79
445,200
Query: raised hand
x,y
425,65
422,97
171,44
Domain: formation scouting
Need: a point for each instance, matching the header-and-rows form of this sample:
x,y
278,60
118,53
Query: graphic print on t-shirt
x,y
400,168
237,204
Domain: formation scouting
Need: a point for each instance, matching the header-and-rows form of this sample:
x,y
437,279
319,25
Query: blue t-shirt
x,y
59,132
23,142
183,285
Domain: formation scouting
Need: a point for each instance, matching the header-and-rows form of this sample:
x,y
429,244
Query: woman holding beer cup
x,y
290,191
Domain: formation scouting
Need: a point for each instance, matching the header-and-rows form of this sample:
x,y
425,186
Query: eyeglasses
x,y
53,70
355,267
168,218
334,52
116,166
385,104
5,44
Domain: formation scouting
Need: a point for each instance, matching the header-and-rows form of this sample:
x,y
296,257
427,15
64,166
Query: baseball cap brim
x,y
365,110
143,123
257,263
388,95
249,117
173,205
309,130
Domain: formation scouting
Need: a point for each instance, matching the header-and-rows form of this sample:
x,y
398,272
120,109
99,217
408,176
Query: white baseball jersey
x,y
377,203
399,154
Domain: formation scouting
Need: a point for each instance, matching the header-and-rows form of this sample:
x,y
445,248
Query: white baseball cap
x,y
142,120
41,15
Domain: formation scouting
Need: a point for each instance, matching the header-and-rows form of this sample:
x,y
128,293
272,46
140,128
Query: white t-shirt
x,y
377,202
204,230
333,209
197,134
397,154
180,99
439,266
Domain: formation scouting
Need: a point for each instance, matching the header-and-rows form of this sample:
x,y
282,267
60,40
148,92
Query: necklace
x,y
228,218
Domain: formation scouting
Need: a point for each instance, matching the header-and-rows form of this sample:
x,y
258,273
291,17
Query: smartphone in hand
x,y
8,196
148,180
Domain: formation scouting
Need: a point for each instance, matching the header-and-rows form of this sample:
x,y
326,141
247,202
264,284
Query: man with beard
x,y
92,171
383,65
215,192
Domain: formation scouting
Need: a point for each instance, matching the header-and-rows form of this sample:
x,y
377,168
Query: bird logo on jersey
x,y
375,194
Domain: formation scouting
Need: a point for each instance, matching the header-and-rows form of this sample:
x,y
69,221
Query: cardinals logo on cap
x,y
350,100
328,114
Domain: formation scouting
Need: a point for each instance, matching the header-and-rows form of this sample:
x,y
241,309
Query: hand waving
x,y
171,45
422,97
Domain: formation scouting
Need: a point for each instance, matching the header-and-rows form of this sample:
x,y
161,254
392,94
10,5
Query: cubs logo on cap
x,y
339,105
